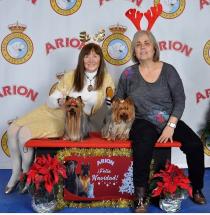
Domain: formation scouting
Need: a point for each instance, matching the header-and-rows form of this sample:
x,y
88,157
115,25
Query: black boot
x,y
141,203
198,197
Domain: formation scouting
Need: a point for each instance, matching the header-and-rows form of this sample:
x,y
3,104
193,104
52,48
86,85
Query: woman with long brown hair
x,y
89,80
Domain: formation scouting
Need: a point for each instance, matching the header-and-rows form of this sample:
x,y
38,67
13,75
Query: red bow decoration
x,y
151,15
73,102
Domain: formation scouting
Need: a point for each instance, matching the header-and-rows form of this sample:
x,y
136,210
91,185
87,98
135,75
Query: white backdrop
x,y
40,38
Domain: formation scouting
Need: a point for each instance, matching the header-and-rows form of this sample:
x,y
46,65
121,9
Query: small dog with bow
x,y
76,122
119,122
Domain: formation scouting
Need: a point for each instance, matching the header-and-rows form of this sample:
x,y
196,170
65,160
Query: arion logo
x,y
116,47
18,90
65,7
17,47
4,145
206,52
171,8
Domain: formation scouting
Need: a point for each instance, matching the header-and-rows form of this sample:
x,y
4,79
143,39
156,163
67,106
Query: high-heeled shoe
x,y
9,190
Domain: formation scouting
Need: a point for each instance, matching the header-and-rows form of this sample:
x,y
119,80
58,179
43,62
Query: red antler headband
x,y
151,15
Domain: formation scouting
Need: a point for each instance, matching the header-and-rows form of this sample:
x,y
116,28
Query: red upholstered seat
x,y
94,141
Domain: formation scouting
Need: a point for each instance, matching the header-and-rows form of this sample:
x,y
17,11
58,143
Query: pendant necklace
x,y
90,86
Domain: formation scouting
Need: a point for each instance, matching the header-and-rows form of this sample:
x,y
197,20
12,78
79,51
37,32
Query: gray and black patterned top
x,y
157,101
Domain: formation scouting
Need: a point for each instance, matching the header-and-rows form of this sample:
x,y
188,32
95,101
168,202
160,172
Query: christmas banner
x,y
98,178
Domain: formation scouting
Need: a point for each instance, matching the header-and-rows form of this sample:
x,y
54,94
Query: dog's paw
x,y
65,137
124,137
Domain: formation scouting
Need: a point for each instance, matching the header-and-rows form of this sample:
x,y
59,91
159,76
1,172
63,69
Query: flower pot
x,y
170,204
43,202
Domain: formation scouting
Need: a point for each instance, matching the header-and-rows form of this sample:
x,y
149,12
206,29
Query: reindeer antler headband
x,y
97,38
151,15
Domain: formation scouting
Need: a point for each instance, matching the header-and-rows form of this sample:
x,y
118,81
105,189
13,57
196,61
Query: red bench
x,y
121,163
94,141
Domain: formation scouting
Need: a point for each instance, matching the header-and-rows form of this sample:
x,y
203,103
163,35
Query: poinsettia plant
x,y
170,182
44,174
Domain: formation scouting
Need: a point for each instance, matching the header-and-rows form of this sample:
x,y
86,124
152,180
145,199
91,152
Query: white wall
x,y
183,27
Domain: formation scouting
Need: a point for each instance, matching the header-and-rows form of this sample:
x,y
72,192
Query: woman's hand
x,y
167,135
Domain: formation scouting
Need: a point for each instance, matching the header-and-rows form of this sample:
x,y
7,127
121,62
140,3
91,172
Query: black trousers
x,y
144,135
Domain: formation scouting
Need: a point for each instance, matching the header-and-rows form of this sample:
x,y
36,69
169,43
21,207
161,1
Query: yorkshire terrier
x,y
120,120
76,123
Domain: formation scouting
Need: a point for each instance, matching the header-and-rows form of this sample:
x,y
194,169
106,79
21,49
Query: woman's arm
x,y
178,98
177,92
57,98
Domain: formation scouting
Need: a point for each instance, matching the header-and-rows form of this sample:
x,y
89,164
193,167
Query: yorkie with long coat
x,y
76,123
120,120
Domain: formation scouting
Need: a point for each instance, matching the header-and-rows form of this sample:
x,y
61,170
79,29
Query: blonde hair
x,y
152,39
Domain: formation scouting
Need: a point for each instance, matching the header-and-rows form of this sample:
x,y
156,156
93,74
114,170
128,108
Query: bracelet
x,y
171,124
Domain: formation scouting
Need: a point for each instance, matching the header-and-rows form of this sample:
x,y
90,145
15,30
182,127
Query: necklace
x,y
90,86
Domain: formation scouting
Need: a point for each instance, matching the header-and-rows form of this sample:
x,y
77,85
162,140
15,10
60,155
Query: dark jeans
x,y
144,135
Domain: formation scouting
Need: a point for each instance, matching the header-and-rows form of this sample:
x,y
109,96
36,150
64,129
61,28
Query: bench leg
x,y
160,156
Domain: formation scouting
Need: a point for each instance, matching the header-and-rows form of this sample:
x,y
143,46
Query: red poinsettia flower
x,y
170,181
45,172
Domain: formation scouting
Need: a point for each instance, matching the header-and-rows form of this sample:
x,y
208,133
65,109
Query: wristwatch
x,y
171,124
